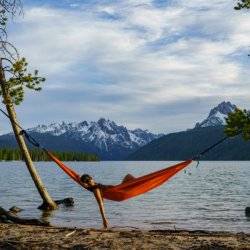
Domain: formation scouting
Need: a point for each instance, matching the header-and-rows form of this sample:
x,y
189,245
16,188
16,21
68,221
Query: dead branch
x,y
15,219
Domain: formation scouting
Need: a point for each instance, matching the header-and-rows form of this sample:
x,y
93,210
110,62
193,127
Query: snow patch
x,y
217,116
104,134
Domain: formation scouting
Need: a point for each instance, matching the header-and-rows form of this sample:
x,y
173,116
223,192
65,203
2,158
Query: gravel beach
x,y
13,236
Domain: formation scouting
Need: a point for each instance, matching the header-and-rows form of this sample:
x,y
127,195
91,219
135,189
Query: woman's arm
x,y
99,199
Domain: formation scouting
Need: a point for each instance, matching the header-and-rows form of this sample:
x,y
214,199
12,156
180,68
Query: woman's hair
x,y
85,178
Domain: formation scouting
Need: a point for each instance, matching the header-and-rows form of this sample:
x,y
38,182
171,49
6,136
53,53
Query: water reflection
x,y
47,215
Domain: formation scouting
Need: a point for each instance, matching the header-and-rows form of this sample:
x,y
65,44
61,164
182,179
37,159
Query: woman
x,y
88,182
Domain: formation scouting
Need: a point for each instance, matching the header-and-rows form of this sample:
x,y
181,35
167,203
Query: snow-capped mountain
x,y
104,135
217,115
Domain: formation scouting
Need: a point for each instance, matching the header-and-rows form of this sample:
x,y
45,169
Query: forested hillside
x,y
14,154
187,144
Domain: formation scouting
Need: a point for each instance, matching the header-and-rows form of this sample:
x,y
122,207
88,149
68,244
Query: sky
x,y
154,64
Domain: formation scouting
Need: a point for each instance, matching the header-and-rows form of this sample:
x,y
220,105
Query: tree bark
x,y
48,203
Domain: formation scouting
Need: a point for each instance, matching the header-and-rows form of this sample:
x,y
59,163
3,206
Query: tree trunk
x,y
48,203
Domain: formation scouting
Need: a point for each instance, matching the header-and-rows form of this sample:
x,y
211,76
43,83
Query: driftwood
x,y
69,234
11,215
7,216
15,209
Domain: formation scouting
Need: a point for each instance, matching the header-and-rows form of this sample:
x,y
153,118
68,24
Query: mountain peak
x,y
224,108
102,120
217,115
103,135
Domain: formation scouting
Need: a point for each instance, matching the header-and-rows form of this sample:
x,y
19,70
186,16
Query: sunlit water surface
x,y
210,197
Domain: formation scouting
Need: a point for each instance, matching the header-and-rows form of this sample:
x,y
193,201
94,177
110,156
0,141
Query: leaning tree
x,y
14,79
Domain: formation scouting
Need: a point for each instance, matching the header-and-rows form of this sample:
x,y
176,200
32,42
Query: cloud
x,y
133,60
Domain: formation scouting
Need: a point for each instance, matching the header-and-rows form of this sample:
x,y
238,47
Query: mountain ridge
x,y
187,144
115,142
103,137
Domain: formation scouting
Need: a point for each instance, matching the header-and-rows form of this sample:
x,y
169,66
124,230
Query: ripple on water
x,y
213,197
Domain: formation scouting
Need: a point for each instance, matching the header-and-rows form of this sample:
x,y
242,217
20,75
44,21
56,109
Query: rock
x,y
247,211
67,202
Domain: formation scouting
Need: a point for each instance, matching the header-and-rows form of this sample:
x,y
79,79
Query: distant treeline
x,y
12,154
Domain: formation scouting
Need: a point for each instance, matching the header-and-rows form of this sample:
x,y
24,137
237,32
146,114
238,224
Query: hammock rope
x,y
128,189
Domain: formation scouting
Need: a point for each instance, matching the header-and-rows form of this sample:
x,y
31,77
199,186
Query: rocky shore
x,y
14,236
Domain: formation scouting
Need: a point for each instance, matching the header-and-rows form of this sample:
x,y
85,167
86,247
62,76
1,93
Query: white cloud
x,y
148,55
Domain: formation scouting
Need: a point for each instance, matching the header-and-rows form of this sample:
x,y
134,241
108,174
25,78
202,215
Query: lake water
x,y
210,197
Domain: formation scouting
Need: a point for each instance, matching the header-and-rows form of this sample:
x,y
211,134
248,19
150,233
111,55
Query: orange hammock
x,y
132,187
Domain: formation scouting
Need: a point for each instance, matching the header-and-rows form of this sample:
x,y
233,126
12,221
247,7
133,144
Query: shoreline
x,y
16,236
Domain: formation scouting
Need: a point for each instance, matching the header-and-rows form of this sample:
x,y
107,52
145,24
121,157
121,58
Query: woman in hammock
x,y
89,183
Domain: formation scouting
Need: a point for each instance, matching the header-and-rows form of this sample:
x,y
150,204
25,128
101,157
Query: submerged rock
x,y
67,202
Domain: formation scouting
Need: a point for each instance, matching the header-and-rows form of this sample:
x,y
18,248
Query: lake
x,y
212,196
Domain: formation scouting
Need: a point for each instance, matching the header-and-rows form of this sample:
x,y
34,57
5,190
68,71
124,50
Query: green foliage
x,y
238,122
8,154
19,79
14,68
242,4
3,18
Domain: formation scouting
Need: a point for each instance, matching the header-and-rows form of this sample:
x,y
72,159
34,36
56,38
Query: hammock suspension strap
x,y
131,188
29,138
